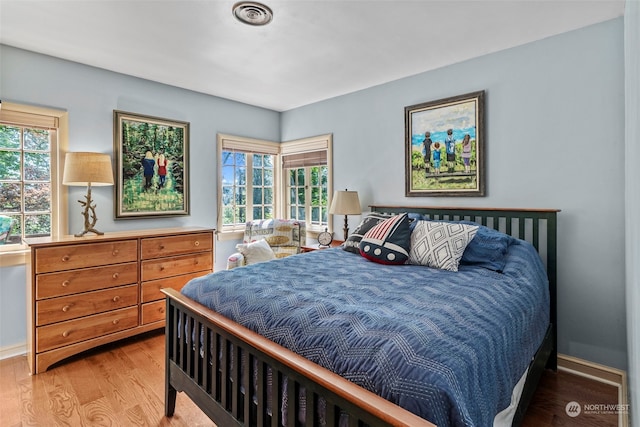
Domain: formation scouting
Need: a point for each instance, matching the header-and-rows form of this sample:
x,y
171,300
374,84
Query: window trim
x,y
308,145
248,145
253,145
29,115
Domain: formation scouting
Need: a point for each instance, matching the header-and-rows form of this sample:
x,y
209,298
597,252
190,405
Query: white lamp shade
x,y
82,168
345,203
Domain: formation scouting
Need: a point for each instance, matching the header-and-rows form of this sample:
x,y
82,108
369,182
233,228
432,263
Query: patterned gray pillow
x,y
440,244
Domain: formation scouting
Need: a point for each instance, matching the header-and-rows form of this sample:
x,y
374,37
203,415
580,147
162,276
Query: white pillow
x,y
440,244
255,252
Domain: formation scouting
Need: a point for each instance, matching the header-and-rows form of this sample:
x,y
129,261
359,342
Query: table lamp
x,y
345,203
82,168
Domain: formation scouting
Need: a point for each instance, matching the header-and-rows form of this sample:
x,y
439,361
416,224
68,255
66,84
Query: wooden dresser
x,y
83,292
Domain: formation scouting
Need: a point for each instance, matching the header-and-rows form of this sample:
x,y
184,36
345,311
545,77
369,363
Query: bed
x,y
257,367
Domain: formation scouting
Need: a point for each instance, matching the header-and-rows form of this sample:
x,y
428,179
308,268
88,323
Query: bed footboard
x,y
276,387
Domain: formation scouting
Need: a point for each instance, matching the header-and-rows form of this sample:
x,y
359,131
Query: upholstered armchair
x,y
284,237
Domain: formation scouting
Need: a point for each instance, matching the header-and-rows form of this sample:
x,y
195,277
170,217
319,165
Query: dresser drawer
x,y
150,291
87,279
73,331
73,306
84,255
175,245
153,312
175,266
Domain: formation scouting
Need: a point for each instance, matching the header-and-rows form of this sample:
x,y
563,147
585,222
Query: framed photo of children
x,y
444,147
152,166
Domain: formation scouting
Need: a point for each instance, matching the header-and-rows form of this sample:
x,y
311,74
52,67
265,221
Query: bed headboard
x,y
536,226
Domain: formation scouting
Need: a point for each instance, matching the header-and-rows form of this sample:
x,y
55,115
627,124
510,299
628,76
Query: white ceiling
x,y
313,50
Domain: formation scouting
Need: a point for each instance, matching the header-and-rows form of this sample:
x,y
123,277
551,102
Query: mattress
x,y
447,346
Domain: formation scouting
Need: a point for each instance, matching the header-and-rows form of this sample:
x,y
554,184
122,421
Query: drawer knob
x,y
197,243
161,247
161,310
115,252
162,268
66,308
66,333
65,283
116,298
65,258
115,321
115,275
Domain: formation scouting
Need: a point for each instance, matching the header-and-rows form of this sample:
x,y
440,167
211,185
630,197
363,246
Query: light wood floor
x,y
122,384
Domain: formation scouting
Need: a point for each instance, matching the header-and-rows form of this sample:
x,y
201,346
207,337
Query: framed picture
x,y
152,166
444,147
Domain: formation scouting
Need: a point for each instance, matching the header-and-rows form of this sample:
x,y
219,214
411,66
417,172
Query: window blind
x,y
301,160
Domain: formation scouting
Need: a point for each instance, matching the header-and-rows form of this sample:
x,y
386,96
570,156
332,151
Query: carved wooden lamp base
x,y
89,213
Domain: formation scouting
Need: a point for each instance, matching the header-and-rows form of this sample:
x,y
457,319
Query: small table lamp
x,y
345,203
80,169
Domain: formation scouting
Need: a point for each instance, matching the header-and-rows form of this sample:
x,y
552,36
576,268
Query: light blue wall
x,y
13,306
632,181
90,95
555,139
554,133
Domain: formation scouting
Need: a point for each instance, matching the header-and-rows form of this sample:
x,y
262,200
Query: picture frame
x,y
454,129
152,166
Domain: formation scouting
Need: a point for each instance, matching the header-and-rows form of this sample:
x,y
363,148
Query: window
x,y
248,182
29,184
307,188
247,186
263,179
25,180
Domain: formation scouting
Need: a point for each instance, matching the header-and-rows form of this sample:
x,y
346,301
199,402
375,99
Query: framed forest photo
x,y
444,147
152,166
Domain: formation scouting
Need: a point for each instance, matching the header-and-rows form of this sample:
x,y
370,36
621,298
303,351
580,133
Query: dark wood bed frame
x,y
205,372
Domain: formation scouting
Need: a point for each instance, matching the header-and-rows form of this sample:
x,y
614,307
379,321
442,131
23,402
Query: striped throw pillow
x,y
388,241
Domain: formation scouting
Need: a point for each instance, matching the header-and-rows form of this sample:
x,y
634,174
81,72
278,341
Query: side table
x,y
315,247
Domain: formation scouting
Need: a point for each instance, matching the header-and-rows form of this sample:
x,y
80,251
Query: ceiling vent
x,y
252,13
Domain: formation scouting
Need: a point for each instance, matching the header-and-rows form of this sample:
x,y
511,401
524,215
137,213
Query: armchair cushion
x,y
255,252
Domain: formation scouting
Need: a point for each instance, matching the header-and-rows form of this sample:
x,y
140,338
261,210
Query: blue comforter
x,y
447,346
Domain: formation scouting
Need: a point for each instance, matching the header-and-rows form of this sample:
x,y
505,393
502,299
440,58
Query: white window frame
x,y
249,146
309,145
227,142
33,116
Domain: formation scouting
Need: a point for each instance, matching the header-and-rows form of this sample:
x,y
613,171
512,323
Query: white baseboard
x,y
13,350
601,373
